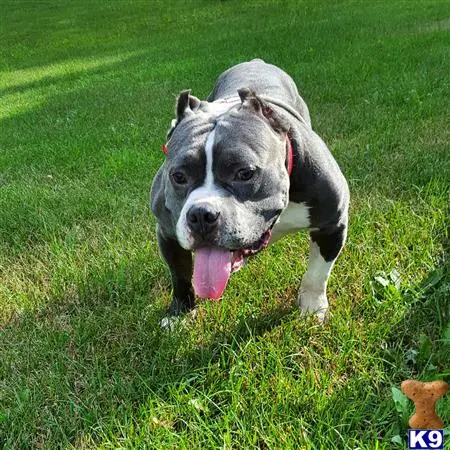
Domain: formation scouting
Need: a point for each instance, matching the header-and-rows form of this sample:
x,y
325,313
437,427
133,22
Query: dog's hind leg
x,y
325,248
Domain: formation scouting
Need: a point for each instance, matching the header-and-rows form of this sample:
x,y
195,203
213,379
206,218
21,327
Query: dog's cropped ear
x,y
186,103
255,103
249,99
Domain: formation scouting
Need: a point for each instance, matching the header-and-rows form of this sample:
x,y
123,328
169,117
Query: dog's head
x,y
226,182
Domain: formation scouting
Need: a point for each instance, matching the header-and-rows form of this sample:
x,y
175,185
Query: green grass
x,y
87,93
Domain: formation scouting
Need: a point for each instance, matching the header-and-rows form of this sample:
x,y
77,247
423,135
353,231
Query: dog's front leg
x,y
325,247
179,261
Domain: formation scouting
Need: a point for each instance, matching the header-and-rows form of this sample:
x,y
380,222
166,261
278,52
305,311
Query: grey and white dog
x,y
243,169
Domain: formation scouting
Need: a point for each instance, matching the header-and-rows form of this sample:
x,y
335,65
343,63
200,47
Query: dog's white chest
x,y
293,218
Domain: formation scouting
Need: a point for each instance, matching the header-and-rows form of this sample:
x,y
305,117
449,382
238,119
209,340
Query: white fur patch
x,y
172,323
208,192
219,107
209,179
295,217
312,298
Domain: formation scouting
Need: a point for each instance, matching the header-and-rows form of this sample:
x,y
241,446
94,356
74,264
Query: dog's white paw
x,y
313,303
172,323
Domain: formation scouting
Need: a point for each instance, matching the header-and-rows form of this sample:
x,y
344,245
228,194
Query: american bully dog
x,y
242,169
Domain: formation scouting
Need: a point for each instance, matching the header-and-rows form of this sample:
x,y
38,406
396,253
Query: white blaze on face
x,y
220,107
208,192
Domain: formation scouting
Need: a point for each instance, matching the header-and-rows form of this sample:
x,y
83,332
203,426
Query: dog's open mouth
x,y
213,266
239,255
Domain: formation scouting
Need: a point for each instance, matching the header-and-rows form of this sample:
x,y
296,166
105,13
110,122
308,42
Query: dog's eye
x,y
179,178
245,174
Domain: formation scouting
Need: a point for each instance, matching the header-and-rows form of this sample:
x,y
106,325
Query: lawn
x,y
87,92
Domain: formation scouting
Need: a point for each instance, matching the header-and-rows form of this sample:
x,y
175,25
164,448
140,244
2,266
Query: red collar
x,y
290,155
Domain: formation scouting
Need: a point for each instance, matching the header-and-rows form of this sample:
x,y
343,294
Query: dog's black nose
x,y
203,218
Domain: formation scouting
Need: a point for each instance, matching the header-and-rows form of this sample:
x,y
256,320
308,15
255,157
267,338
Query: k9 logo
x,y
426,439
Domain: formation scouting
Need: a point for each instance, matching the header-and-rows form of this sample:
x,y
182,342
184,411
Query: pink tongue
x,y
212,268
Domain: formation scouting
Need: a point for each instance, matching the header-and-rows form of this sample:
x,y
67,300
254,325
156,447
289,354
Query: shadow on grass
x,y
416,345
96,355
60,76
